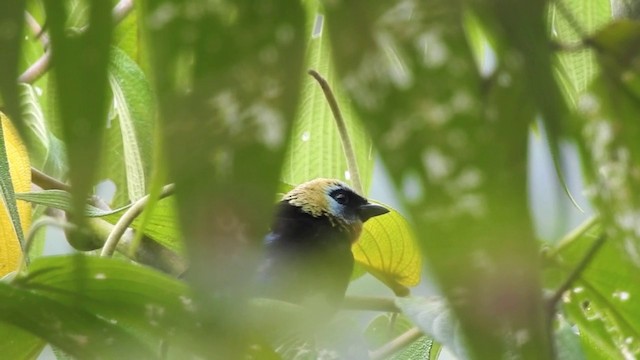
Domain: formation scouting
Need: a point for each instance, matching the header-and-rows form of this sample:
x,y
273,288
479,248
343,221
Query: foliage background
x,y
212,96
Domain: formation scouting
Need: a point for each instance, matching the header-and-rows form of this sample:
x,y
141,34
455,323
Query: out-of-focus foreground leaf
x,y
11,23
80,71
455,144
15,176
227,78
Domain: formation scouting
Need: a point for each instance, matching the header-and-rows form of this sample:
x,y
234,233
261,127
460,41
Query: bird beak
x,y
368,210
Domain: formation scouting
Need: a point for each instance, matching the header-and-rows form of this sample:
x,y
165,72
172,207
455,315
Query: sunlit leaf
x,y
388,249
567,20
601,301
315,149
15,176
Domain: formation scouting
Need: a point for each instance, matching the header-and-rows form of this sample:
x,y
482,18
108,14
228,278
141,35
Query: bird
x,y
307,256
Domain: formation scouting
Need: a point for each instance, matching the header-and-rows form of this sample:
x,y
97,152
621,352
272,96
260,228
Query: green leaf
x,y
389,250
568,20
128,145
81,88
454,144
69,327
601,301
19,344
46,151
229,105
11,23
315,149
135,306
433,316
7,193
161,227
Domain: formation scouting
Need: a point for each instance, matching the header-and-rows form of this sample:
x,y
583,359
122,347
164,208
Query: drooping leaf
x,y
389,250
15,217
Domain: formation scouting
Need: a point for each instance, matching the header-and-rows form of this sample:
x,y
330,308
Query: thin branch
x,y
572,236
575,274
36,29
349,153
370,304
127,219
42,65
396,344
46,182
33,231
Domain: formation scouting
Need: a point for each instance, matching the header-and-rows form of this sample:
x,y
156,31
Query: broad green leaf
x,y
128,145
81,88
389,250
19,344
315,148
567,20
601,301
72,329
433,316
15,175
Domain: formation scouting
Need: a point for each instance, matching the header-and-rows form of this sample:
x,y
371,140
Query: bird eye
x,y
341,198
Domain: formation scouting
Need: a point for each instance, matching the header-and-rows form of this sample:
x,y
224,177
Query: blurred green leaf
x,y
454,144
315,149
74,330
107,301
11,23
19,344
81,84
128,145
227,94
389,250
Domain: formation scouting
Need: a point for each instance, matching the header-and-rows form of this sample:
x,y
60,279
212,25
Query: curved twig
x,y
349,154
127,219
396,344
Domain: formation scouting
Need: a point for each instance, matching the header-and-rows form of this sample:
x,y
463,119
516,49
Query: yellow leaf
x,y
388,250
20,171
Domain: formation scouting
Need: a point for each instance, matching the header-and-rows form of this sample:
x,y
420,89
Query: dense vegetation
x,y
200,112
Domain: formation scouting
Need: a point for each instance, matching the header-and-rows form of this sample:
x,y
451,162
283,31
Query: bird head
x,y
335,200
